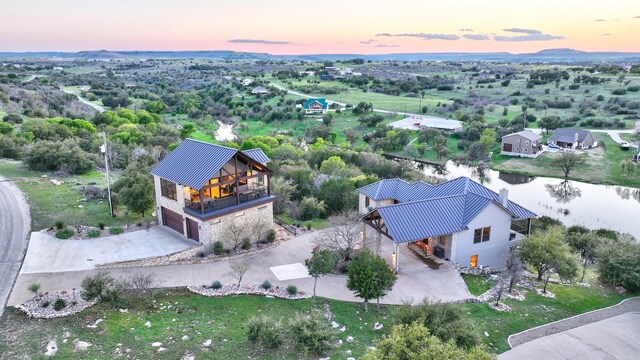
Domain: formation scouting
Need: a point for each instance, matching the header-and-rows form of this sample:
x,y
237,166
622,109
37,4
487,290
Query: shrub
x,y
246,244
292,289
101,225
46,304
116,230
94,233
59,304
59,225
271,235
96,287
201,254
58,155
216,284
311,333
64,234
34,287
446,321
265,330
266,285
218,247
619,264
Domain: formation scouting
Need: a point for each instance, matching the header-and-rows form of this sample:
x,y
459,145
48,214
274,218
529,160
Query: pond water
x,y
572,202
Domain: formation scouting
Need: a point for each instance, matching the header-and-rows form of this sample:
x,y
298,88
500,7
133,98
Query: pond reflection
x,y
563,192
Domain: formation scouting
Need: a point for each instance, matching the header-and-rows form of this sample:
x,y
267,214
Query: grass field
x,y
537,310
49,202
179,313
477,284
602,165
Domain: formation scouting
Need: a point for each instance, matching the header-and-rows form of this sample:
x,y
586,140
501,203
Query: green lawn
x,y
49,202
179,313
602,165
537,310
315,223
477,284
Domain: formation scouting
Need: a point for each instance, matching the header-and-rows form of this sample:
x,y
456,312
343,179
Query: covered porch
x,y
241,180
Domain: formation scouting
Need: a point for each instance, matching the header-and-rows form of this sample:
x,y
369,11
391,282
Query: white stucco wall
x,y
490,253
362,209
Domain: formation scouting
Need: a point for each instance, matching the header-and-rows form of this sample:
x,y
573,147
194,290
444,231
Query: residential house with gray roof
x,y
572,138
459,220
523,143
200,188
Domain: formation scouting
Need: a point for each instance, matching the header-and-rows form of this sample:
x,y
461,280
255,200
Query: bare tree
x,y
514,268
567,161
499,288
234,233
342,235
238,269
257,227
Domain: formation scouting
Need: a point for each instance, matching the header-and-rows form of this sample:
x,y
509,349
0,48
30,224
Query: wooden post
x,y
364,234
235,163
268,184
201,201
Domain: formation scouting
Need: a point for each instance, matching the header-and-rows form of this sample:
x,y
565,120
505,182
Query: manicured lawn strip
x,y
315,223
477,284
49,202
537,310
223,320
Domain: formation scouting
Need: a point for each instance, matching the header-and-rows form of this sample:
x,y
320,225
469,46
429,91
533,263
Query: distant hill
x,y
544,56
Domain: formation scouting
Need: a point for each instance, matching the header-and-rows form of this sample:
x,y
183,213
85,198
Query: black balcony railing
x,y
214,204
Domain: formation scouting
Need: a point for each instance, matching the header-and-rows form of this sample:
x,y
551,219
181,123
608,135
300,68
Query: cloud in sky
x,y
424,36
367,42
466,30
523,31
637,17
478,37
529,35
259,41
386,46
607,34
601,20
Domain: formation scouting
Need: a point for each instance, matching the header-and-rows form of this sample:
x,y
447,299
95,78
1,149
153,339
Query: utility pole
x,y
105,150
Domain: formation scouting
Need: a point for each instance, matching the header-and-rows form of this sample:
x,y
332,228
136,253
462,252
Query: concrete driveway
x,y
281,266
614,338
48,254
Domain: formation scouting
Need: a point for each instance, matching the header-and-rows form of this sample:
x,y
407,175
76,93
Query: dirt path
x,y
15,222
96,107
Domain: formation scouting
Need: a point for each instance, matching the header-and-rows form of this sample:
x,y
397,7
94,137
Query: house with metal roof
x,y
460,220
260,90
417,122
316,106
202,187
524,143
572,138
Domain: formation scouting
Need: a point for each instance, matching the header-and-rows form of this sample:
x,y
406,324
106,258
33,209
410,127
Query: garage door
x,y
507,147
172,220
192,230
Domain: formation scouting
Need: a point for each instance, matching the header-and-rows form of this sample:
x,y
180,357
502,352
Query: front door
x,y
192,230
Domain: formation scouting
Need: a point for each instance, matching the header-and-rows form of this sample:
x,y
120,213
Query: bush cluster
x,y
266,331
218,248
64,234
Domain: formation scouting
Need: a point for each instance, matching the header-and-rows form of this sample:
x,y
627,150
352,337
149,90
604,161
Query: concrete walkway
x,y
614,338
416,281
47,254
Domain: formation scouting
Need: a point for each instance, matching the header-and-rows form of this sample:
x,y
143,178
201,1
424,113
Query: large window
x,y
366,201
481,235
168,189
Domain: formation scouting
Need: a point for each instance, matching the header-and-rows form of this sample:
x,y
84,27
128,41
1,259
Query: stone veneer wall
x,y
173,205
211,230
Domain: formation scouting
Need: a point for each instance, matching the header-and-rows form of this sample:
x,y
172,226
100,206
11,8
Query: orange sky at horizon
x,y
288,27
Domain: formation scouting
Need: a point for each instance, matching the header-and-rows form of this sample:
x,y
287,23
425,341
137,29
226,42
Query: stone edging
x,y
626,305
227,290
183,257
75,304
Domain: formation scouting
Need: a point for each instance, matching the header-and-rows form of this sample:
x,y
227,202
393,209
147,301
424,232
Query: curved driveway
x,y
15,224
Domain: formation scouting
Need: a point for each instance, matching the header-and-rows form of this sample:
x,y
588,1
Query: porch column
x,y
237,183
396,257
268,185
378,243
201,201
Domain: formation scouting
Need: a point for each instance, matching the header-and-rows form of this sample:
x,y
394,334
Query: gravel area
x,y
35,308
255,289
628,305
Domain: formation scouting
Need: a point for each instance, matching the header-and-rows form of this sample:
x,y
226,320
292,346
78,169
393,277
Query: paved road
x,y
614,338
416,280
15,224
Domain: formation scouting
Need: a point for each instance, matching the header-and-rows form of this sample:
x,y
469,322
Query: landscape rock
x,y
81,345
52,348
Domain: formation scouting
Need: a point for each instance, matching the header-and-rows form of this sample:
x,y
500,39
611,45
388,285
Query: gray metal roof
x,y
193,163
258,155
568,134
417,220
427,210
527,134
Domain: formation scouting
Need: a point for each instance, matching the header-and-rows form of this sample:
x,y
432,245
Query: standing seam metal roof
x,y
194,162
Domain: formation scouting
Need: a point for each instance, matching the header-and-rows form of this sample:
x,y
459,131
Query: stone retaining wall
x,y
627,305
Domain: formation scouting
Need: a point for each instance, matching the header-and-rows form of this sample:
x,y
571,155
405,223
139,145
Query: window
x,y
366,201
474,261
526,143
168,189
481,235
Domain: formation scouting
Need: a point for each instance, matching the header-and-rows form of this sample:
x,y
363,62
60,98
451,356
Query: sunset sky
x,y
331,26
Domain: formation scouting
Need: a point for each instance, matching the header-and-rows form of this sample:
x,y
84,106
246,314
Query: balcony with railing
x,y
236,199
